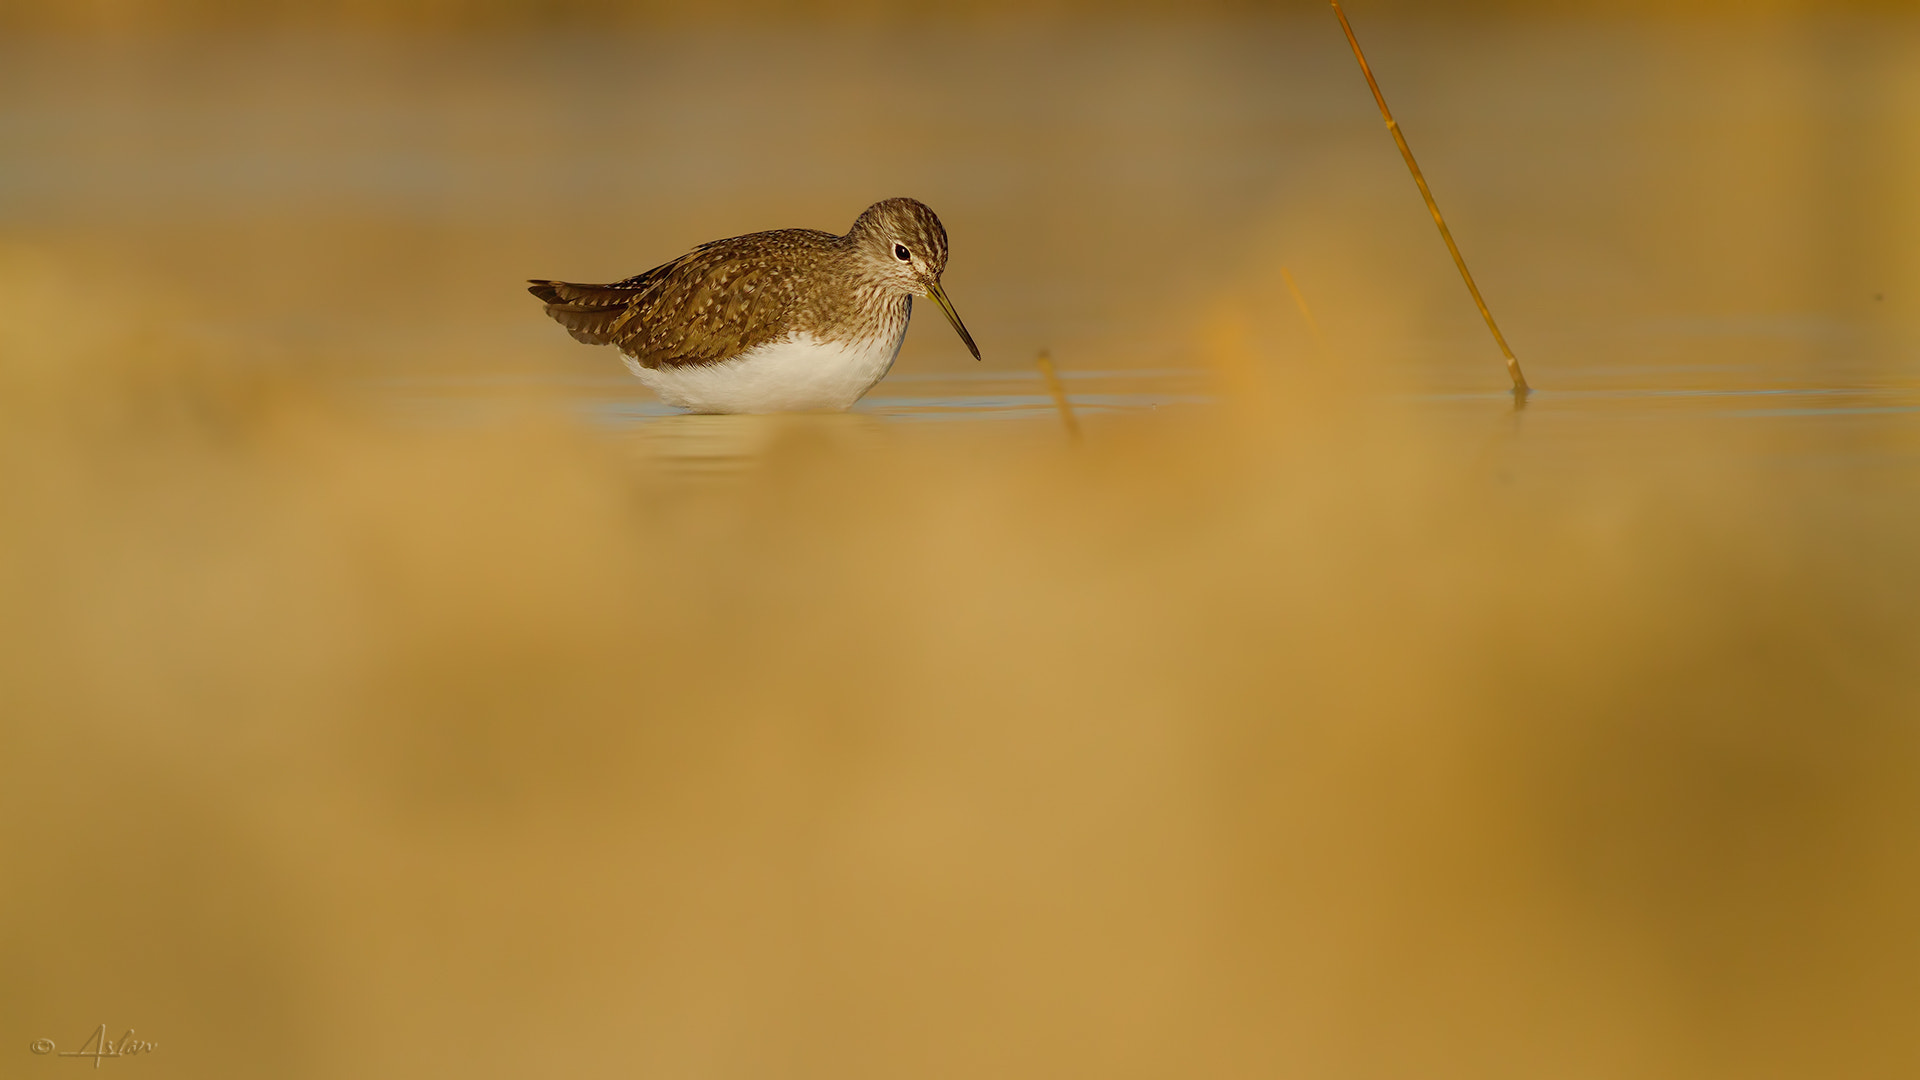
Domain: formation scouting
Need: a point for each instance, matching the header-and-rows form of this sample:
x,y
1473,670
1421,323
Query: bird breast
x,y
803,371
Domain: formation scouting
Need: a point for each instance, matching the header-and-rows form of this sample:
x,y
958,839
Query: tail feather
x,y
588,312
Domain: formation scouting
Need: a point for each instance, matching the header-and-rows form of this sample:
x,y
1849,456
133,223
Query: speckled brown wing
x,y
715,302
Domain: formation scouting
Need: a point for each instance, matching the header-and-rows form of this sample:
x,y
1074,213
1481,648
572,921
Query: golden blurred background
x,y
380,697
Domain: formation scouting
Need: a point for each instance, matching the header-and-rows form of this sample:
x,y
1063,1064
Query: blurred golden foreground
x,y
1313,739
1337,728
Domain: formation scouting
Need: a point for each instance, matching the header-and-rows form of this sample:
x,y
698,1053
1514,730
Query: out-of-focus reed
x,y
1057,389
1303,739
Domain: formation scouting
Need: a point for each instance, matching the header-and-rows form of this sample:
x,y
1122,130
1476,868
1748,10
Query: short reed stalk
x,y
1520,388
1059,391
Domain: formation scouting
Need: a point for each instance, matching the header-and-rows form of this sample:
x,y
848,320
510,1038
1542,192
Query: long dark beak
x,y
940,297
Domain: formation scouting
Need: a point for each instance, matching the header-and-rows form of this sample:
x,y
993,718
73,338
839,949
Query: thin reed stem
x,y
1520,387
1059,391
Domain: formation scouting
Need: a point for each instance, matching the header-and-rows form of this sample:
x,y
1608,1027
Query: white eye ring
x,y
900,252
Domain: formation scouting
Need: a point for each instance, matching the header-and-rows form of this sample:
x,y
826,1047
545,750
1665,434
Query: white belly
x,y
798,373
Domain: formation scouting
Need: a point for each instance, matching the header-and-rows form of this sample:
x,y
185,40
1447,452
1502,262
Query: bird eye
x,y
900,252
